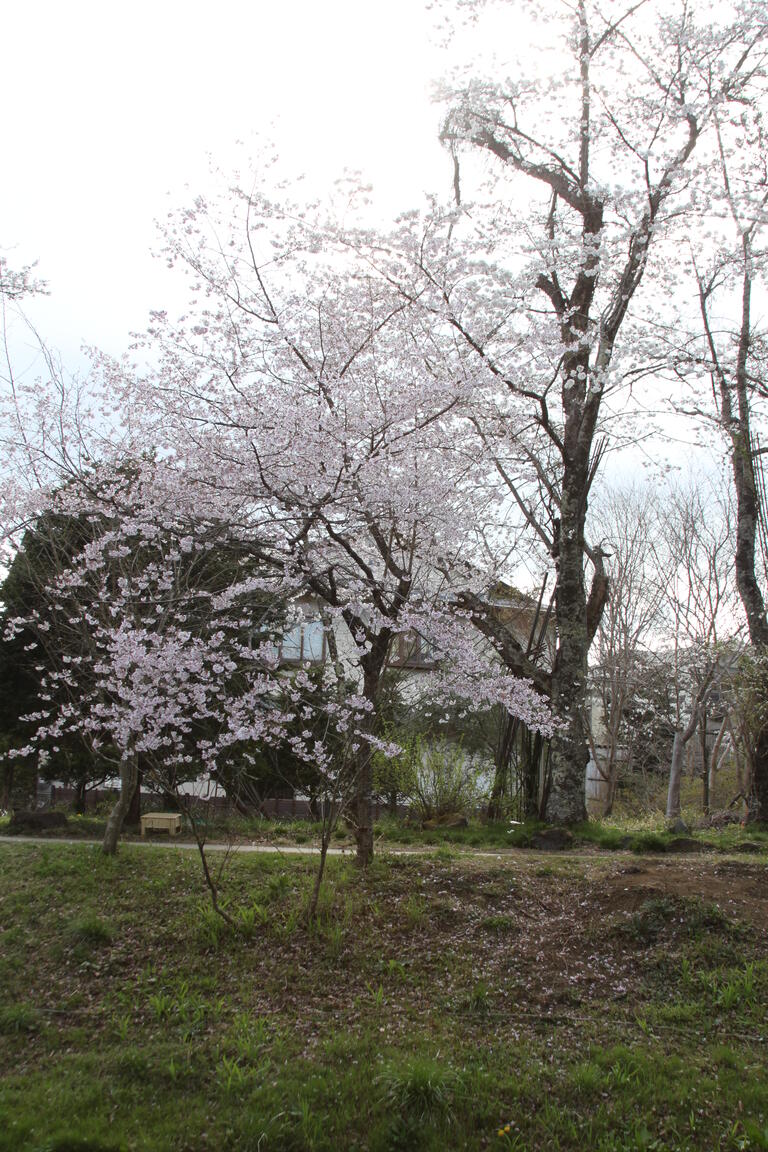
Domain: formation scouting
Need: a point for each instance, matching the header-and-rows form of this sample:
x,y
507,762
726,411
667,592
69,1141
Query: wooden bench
x,y
169,822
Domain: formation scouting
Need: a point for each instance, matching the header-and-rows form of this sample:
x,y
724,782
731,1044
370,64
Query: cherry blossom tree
x,y
152,645
304,417
322,416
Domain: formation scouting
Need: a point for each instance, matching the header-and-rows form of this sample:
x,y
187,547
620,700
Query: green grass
x,y
437,1001
639,834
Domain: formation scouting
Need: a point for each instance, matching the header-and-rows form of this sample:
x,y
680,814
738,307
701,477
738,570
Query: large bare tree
x,y
586,156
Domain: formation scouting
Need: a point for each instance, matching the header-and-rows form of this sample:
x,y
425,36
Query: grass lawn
x,y
604,1002
641,835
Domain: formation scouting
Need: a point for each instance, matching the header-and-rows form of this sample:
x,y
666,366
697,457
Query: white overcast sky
x,y
114,113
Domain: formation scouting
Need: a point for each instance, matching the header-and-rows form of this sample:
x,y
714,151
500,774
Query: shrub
x,y
447,781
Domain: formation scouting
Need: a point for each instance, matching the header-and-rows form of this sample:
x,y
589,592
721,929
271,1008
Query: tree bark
x,y
679,745
705,798
675,776
362,808
133,815
735,415
78,799
758,809
373,664
569,753
7,791
129,773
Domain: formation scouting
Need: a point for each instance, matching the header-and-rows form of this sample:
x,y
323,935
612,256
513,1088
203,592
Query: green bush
x,y
446,781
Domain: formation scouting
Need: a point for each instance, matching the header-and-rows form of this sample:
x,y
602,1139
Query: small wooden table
x,y
161,821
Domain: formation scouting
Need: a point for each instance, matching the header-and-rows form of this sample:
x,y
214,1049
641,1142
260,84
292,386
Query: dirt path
x,y
213,846
310,850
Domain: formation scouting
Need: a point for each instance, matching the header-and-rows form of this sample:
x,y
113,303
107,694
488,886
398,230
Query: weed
x,y
161,1005
212,930
587,1078
735,989
122,1027
288,927
333,937
133,1065
377,997
18,1018
476,1000
420,1089
310,1125
415,910
249,1037
278,886
622,1075
231,1077
446,853
90,933
499,924
394,969
249,919
686,917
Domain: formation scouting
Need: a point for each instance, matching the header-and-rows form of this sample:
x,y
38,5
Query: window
x,y
305,643
409,650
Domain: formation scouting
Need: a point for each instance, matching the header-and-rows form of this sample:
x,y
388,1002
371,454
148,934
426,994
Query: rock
x,y
552,839
449,820
29,821
687,844
751,846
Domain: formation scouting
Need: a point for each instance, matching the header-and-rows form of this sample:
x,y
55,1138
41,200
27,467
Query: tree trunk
x,y
78,799
679,745
675,776
7,790
133,815
493,812
704,763
362,796
362,808
569,753
613,785
129,773
534,755
330,817
510,732
758,807
748,510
